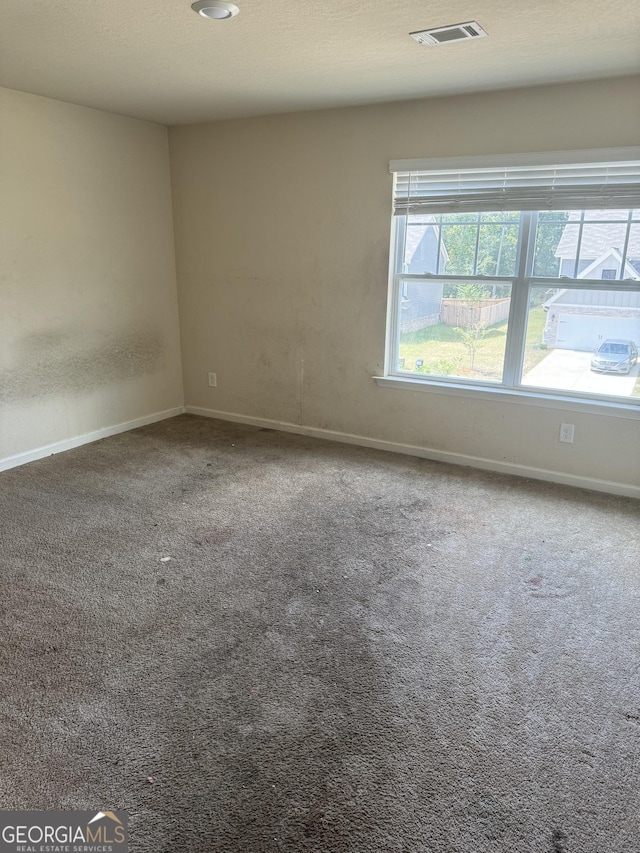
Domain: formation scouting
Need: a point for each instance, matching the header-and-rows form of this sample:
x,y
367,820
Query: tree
x,y
471,338
496,236
550,228
471,292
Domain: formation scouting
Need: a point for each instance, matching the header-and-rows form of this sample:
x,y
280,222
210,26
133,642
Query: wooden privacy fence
x,y
463,313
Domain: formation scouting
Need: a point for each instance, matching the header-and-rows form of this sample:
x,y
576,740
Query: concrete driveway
x,y
569,370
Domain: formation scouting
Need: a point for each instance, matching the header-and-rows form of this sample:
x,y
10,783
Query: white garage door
x,y
585,332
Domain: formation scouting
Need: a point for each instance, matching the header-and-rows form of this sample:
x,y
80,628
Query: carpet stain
x,y
214,536
551,595
316,824
559,841
548,588
586,758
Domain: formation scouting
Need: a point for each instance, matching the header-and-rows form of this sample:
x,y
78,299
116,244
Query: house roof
x,y
415,234
615,255
598,236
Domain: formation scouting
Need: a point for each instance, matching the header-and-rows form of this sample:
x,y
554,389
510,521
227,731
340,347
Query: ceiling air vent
x,y
454,32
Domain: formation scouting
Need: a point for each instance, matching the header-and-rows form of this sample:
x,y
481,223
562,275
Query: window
x,y
514,275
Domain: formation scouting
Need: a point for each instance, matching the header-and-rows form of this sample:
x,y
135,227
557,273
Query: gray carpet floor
x,y
254,641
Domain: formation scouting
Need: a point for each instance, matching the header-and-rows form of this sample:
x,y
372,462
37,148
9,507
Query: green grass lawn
x,y
444,353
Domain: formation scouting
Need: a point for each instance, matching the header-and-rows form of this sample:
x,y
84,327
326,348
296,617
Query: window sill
x,y
565,403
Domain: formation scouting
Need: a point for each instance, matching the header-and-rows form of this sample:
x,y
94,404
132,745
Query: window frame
x,y
511,386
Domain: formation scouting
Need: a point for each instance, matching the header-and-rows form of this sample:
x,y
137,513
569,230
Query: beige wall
x,y
282,232
88,322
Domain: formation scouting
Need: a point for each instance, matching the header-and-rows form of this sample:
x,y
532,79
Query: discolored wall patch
x,y
70,361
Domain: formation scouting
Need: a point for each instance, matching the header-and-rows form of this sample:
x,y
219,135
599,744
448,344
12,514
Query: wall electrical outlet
x,y
213,380
566,433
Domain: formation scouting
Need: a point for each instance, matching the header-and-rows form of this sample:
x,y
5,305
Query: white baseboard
x,y
609,486
86,438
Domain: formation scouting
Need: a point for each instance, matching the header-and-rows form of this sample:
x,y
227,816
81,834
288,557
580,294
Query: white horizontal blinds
x,y
563,187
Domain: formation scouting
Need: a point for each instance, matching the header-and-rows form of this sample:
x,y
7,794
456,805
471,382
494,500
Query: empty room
x,y
319,427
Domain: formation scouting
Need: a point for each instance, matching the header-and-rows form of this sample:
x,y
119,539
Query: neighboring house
x,y
420,303
582,319
601,247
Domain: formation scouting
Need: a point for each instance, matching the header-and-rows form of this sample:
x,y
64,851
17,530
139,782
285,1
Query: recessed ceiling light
x,y
218,10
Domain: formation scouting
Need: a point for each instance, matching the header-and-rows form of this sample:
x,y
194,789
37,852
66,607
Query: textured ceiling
x,y
158,60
